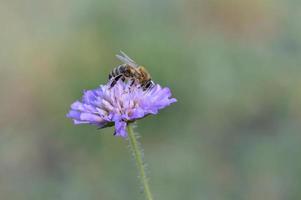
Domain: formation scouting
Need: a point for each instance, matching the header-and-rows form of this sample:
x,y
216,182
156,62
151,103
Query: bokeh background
x,y
233,65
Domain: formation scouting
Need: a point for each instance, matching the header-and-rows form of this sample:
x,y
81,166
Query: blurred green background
x,y
233,65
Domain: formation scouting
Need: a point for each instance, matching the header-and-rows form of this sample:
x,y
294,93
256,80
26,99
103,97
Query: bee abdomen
x,y
115,72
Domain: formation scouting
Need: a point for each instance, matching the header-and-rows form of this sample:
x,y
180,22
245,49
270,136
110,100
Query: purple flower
x,y
107,106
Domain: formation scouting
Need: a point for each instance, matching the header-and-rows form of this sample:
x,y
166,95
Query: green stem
x,y
137,153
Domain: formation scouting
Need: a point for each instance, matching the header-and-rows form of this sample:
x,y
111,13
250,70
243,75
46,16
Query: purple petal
x,y
91,118
74,114
76,122
120,129
137,113
89,96
77,106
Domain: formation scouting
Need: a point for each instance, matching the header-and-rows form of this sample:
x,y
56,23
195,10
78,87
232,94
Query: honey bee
x,y
131,72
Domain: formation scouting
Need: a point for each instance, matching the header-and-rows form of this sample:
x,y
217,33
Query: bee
x,y
131,72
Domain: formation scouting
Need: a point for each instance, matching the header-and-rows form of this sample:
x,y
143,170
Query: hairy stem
x,y
138,156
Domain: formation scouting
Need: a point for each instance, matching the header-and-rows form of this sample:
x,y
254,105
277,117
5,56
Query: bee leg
x,y
147,85
132,83
115,80
144,87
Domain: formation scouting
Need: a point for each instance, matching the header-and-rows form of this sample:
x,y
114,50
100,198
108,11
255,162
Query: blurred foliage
x,y
234,67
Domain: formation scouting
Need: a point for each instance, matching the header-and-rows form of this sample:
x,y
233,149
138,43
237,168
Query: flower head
x,y
107,106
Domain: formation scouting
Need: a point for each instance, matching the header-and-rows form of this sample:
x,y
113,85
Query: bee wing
x,y
125,59
126,56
